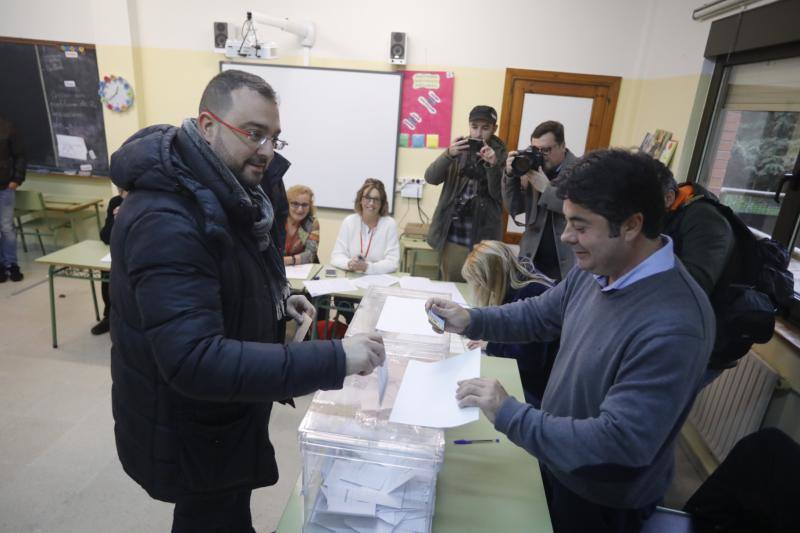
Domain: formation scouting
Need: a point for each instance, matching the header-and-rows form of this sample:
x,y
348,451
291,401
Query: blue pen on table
x,y
474,441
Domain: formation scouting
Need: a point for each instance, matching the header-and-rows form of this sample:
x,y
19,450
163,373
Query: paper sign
x,y
69,83
71,147
71,54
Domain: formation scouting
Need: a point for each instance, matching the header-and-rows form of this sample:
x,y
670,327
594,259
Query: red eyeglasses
x,y
252,136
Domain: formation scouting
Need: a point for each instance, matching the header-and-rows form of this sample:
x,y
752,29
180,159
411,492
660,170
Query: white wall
x,y
629,38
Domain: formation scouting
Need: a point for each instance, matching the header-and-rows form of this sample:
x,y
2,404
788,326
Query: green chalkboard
x,y
49,92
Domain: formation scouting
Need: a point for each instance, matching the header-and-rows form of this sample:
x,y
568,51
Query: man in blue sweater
x,y
636,333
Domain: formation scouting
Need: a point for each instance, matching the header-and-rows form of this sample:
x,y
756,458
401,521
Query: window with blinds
x,y
755,138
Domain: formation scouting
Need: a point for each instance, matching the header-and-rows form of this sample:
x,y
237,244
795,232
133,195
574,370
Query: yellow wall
x,y
664,103
168,84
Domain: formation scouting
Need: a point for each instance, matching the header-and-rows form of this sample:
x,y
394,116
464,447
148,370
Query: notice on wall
x,y
427,110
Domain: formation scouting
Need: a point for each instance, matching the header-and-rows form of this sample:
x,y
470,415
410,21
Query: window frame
x,y
739,40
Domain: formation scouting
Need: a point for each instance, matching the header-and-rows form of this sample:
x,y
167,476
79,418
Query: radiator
x,y
734,404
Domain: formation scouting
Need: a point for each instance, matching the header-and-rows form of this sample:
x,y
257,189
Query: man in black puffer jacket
x,y
199,302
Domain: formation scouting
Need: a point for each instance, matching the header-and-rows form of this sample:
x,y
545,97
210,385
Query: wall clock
x,y
115,93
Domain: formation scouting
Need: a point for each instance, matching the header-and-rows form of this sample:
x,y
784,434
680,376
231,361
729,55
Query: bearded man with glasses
x,y
534,195
199,304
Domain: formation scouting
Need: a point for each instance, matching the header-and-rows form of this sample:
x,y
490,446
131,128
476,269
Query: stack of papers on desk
x,y
379,280
426,285
298,271
318,287
358,496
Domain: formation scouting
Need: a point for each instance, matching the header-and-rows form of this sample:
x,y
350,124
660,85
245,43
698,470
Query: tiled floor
x,y
58,467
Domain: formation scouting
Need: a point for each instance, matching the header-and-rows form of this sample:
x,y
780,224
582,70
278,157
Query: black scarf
x,y
256,199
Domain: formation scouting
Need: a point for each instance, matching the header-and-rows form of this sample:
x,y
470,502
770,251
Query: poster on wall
x,y
427,110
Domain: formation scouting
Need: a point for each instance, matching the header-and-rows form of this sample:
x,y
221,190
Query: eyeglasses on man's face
x,y
546,150
299,205
255,137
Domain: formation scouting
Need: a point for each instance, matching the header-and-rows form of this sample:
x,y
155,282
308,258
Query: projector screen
x,y
341,126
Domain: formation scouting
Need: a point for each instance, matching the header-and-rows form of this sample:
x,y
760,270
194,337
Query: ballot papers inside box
x,y
362,472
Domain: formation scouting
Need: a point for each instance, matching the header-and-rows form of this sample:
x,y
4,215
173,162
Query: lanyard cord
x,y
361,242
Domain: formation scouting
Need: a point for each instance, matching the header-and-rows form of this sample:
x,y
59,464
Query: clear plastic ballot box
x,y
360,471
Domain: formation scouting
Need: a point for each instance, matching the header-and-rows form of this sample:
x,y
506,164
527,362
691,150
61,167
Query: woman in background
x,y
496,277
105,235
368,240
302,227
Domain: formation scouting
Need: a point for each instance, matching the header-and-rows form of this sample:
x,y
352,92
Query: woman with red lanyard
x,y
367,240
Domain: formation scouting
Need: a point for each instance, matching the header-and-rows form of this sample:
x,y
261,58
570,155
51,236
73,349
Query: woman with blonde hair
x,y
496,277
302,227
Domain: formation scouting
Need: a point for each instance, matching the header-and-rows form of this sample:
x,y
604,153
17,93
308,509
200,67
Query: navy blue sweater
x,y
624,379
534,359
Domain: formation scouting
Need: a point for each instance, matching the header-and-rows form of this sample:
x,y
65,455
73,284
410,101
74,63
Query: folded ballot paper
x,y
361,496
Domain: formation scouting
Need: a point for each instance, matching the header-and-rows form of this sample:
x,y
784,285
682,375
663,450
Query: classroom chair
x,y
32,218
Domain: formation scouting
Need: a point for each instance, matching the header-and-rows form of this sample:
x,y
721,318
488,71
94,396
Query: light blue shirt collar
x,y
659,261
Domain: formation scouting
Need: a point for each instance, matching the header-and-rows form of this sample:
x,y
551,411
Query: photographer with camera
x,y
470,206
527,189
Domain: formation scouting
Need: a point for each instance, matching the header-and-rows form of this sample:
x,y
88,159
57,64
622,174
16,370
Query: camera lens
x,y
521,164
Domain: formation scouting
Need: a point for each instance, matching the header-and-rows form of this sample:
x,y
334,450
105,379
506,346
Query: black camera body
x,y
475,145
531,158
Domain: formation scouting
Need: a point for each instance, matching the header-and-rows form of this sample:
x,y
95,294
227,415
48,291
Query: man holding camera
x,y
527,188
470,206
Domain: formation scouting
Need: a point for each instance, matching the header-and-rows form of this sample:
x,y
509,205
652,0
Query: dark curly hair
x,y
615,184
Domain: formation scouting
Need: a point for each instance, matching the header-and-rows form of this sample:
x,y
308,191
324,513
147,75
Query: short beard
x,y
237,170
245,180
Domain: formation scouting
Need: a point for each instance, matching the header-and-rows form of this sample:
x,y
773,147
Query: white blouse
x,y
380,246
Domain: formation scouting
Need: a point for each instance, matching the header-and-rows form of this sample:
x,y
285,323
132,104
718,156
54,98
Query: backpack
x,y
754,286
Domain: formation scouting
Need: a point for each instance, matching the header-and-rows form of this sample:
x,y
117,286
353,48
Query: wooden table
x,y
481,487
79,261
73,209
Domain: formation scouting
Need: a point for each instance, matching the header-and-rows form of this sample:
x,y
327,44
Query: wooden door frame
x,y
568,84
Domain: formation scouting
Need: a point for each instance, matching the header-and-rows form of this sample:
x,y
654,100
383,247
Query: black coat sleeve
x,y
105,233
175,281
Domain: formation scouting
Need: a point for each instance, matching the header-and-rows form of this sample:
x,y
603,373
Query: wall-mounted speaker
x,y
220,34
398,48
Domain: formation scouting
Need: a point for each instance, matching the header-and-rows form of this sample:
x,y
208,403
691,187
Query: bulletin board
x,y
427,111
